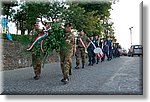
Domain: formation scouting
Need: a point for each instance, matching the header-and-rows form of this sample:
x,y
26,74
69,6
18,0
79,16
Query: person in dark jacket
x,y
106,50
96,42
91,53
101,45
109,43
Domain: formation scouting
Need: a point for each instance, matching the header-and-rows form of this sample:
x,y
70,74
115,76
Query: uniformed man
x,y
101,45
106,50
109,43
91,54
82,44
36,57
67,53
97,42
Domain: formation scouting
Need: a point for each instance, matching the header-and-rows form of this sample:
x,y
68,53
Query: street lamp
x,y
131,34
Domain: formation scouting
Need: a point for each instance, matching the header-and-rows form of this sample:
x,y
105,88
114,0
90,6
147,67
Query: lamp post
x,y
131,34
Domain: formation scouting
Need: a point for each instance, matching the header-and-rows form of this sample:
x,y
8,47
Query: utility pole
x,y
131,34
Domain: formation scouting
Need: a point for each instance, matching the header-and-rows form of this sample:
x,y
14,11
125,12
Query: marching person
x,y
67,53
109,43
91,53
96,42
101,45
106,51
37,41
82,44
36,57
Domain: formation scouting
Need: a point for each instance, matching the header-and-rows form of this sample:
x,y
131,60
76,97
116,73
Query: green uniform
x,y
36,64
37,56
80,50
66,55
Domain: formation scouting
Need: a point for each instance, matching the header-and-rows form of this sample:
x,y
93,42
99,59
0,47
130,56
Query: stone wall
x,y
14,56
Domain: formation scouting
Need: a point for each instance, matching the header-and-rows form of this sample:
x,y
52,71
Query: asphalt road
x,y
116,77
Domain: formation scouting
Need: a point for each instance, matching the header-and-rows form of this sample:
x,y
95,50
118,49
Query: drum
x,y
98,52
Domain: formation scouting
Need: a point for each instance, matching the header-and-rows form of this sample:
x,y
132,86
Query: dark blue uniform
x,y
97,45
101,44
91,54
105,51
109,42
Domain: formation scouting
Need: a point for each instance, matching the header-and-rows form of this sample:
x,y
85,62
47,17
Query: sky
x,y
126,14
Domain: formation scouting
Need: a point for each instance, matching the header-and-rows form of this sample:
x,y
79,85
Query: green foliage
x,y
92,24
88,21
102,8
56,40
76,16
7,7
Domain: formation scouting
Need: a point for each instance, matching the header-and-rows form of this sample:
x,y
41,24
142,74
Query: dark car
x,y
135,50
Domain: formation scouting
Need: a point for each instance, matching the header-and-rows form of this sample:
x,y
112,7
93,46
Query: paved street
x,y
119,76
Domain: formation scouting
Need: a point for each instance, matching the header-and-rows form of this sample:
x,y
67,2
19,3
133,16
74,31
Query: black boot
x,y
82,65
89,64
70,73
36,77
76,67
65,81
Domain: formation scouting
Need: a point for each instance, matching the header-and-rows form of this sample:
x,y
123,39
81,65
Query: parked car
x,y
120,51
135,50
124,52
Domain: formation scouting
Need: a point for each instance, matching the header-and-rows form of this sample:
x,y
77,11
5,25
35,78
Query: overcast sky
x,y
126,14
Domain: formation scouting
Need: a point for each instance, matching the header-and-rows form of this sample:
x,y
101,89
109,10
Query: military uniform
x,y
80,50
36,66
66,55
37,56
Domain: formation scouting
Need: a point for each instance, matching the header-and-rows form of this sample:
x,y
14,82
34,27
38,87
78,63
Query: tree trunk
x,y
22,32
21,28
7,15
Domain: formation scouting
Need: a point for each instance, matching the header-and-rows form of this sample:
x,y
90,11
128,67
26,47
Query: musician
x,y
82,43
101,44
96,42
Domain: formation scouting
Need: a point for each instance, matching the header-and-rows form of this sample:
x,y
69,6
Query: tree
x,y
30,11
75,15
102,8
86,16
83,20
21,17
7,7
102,13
